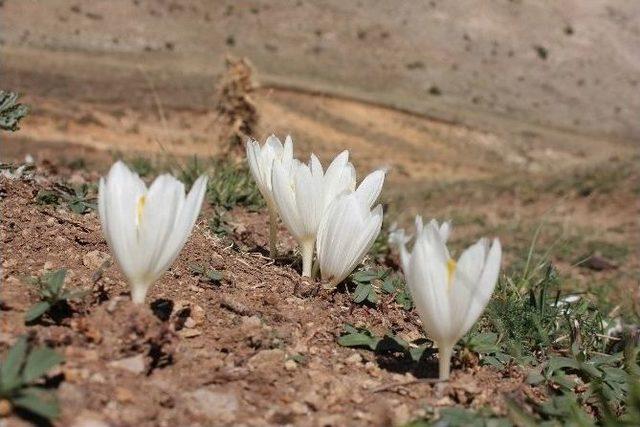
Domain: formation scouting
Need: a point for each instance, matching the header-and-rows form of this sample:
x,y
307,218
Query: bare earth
x,y
456,100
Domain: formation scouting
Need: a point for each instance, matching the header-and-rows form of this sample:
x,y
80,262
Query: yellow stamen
x,y
451,269
140,208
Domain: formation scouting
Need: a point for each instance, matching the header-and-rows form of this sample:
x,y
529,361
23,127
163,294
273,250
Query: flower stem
x,y
138,293
307,257
273,233
444,361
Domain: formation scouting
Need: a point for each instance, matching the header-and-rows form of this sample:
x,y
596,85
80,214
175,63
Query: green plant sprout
x,y
11,112
50,287
20,380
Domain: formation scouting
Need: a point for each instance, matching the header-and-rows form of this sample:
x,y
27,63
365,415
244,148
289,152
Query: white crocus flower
x,y
348,229
260,163
303,193
449,296
146,228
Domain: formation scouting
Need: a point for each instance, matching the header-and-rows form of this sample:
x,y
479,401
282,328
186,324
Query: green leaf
x,y
417,352
196,269
77,206
391,342
10,370
55,280
535,378
47,197
350,329
362,292
404,299
359,340
484,343
388,285
214,275
39,361
366,276
37,310
38,402
557,363
372,297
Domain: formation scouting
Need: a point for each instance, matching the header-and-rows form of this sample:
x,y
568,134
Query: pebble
x,y
93,260
189,333
266,359
290,365
219,407
354,359
89,419
124,395
134,364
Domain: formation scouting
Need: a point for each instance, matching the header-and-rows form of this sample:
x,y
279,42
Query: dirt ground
x,y
259,348
477,128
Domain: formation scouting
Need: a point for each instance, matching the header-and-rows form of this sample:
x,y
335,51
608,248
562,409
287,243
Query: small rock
x,y
134,364
48,266
97,378
400,415
5,408
124,395
299,408
217,406
599,263
197,314
189,333
251,322
93,260
354,359
266,359
372,369
290,365
89,419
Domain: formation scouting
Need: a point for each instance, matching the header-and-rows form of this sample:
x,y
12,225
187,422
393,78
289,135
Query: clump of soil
x,y
248,349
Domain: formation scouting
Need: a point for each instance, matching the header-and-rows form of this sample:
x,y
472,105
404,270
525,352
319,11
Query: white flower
x,y
146,228
449,296
349,228
261,161
303,193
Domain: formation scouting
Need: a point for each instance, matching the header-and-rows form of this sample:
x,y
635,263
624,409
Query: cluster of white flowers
x,y
325,212
319,208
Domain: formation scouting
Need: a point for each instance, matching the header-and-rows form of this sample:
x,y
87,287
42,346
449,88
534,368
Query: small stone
x,y
134,364
48,266
124,395
93,260
266,359
357,398
354,359
189,333
299,408
372,369
251,321
197,314
217,406
89,419
290,365
97,378
5,408
75,375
